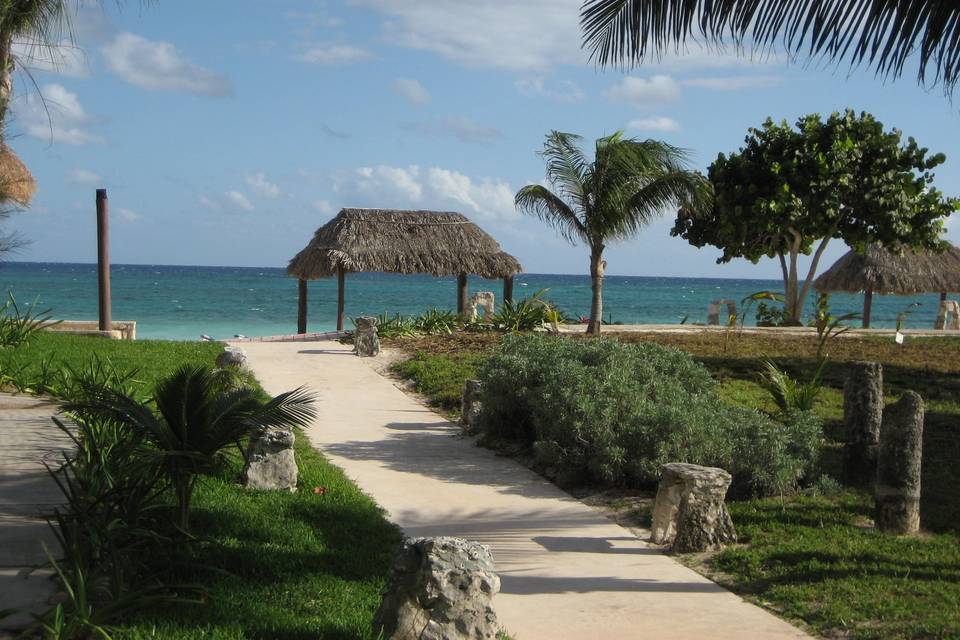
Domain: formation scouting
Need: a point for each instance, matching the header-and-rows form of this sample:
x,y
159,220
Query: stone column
x,y
862,414
897,491
366,342
689,511
439,588
470,405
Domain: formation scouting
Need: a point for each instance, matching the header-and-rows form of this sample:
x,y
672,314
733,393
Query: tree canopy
x,y
791,189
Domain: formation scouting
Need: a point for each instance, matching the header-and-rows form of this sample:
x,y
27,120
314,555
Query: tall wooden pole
x,y
301,306
461,293
867,306
103,260
340,282
508,289
943,296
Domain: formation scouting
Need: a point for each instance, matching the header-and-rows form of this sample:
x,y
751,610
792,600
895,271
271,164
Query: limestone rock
x,y
366,342
689,511
470,405
232,357
481,300
948,316
862,415
439,589
271,464
897,491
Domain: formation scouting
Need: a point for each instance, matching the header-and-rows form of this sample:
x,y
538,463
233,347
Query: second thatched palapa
x,y
439,243
886,272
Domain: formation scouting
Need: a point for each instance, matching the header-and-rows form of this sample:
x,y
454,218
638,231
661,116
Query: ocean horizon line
x,y
254,268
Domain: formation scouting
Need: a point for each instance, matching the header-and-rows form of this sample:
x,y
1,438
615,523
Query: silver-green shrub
x,y
603,412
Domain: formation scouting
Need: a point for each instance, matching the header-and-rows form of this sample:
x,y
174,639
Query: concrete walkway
x,y
28,438
567,572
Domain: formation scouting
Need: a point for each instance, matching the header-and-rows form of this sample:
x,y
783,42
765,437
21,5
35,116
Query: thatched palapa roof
x,y
885,272
16,181
441,243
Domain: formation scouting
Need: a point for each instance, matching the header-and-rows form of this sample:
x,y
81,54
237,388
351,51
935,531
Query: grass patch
x,y
440,377
277,565
152,358
813,559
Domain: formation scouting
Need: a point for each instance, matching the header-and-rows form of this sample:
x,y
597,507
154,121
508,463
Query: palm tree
x,y
629,183
36,23
884,34
197,416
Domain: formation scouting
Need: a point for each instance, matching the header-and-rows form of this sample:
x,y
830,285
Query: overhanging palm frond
x,y
883,34
677,188
537,200
568,168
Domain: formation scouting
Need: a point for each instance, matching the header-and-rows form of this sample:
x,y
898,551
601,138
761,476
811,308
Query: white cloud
x,y
411,90
655,123
734,83
209,204
259,183
84,177
566,91
524,36
56,115
323,207
436,188
461,128
159,66
656,90
64,58
128,215
239,200
334,55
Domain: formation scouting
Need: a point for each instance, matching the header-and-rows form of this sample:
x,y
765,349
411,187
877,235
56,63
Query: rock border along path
x,y
567,571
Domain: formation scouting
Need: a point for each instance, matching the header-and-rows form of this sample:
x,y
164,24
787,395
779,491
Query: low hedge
x,y
603,412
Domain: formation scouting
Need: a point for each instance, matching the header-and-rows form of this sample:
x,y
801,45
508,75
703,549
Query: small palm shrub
x,y
434,321
18,325
527,314
597,411
196,418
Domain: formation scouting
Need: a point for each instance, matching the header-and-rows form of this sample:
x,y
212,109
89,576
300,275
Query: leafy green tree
x,y
789,191
880,34
628,184
197,416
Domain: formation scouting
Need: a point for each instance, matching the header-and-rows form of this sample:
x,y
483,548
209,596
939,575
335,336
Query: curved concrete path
x,y
567,572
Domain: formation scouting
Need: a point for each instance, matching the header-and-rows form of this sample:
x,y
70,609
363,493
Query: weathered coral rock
x,y
897,491
689,512
470,405
440,589
482,300
271,464
862,415
232,357
366,342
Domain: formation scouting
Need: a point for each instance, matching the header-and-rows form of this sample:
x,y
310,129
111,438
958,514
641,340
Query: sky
x,y
227,131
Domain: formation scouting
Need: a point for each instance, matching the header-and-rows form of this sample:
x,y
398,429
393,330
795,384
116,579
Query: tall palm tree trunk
x,y
6,79
596,276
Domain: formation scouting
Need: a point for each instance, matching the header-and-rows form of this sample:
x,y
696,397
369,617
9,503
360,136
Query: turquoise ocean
x,y
180,302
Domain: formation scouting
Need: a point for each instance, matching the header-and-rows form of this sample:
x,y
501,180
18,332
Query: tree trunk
x,y
184,491
597,266
6,81
811,272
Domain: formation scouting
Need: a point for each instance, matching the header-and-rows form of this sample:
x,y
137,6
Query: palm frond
x,y
568,168
882,34
539,201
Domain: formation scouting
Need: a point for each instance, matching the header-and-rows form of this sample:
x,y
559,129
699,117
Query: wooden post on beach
x,y
340,283
301,306
867,306
462,293
103,260
508,288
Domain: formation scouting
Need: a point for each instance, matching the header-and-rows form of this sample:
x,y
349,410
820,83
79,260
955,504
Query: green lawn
x,y
278,565
814,559
151,358
269,565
